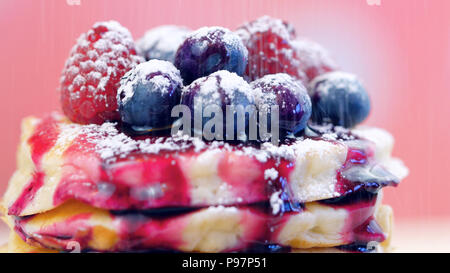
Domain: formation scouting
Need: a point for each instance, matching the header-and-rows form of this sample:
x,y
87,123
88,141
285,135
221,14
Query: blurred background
x,y
401,49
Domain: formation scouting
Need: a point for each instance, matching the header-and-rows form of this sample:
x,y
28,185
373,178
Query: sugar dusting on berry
x,y
272,82
215,34
92,72
162,42
270,51
264,24
162,73
336,79
222,81
230,82
315,59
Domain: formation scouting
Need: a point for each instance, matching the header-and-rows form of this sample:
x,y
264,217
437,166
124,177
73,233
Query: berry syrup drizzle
x,y
140,180
143,182
162,229
43,139
359,171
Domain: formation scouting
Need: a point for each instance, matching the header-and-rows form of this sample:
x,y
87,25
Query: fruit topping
x,y
210,49
147,95
92,73
270,50
162,42
289,95
339,98
314,59
219,90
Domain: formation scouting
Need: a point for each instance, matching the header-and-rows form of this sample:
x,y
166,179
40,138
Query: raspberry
x,y
91,75
314,59
270,51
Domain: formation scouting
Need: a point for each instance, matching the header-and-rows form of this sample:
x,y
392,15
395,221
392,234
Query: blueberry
x,y
221,89
291,97
210,49
147,94
162,42
339,98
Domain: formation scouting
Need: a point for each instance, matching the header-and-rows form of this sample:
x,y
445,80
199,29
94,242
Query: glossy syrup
x,y
43,139
160,229
158,185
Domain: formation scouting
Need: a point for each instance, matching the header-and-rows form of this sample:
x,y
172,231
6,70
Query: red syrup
x,y
141,231
369,231
361,227
161,186
137,234
27,194
157,180
43,139
245,175
138,181
147,181
354,157
359,171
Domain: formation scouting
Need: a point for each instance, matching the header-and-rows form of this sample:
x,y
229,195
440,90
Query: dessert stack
x,y
110,174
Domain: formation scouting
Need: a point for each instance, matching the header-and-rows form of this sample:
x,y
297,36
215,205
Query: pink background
x,y
400,49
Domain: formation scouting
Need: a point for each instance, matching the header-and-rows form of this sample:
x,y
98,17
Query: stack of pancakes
x,y
92,188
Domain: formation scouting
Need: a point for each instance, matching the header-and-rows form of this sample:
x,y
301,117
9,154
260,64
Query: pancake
x,y
97,164
17,245
212,229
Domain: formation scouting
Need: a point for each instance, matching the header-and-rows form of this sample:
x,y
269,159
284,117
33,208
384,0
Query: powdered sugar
x,y
210,87
276,202
282,79
211,35
230,82
91,74
271,174
270,51
161,72
162,42
268,150
336,79
110,144
276,83
264,24
314,58
111,45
